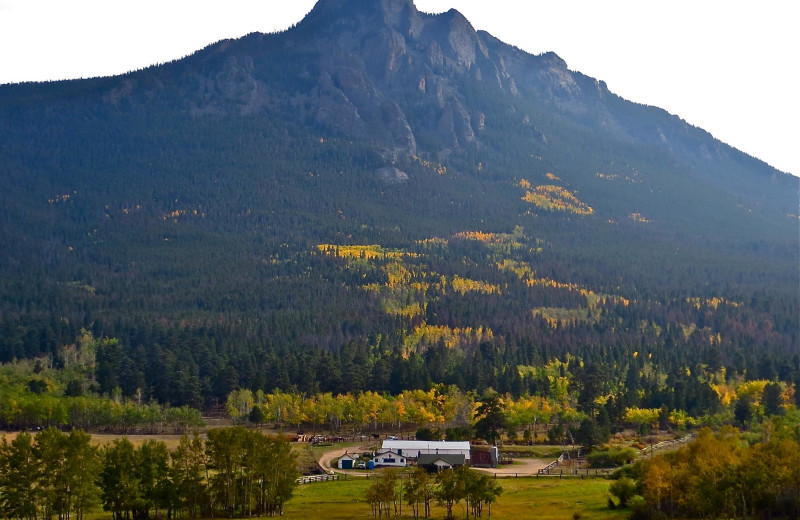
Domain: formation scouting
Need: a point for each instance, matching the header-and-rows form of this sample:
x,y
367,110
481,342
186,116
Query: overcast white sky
x,y
728,66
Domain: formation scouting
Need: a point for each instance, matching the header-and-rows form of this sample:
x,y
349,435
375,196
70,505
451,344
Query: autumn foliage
x,y
722,476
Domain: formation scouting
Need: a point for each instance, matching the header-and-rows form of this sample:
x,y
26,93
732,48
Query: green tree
x,y
743,410
274,467
623,488
449,490
256,415
81,467
479,489
384,493
188,473
428,434
67,464
773,399
225,452
19,472
491,417
251,473
418,489
239,404
152,473
589,434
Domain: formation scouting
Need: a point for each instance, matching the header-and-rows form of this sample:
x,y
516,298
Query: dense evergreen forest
x,y
269,214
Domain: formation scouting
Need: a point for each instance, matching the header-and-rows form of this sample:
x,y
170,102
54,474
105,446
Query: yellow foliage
x,y
556,198
398,275
688,330
432,334
642,415
552,177
725,393
464,285
607,176
753,389
638,217
64,197
711,302
435,167
432,241
525,184
367,252
480,236
408,311
521,269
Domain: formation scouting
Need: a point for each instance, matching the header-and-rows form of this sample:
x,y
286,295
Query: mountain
x,y
381,178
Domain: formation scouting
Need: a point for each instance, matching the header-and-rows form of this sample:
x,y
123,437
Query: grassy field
x,y
522,498
538,451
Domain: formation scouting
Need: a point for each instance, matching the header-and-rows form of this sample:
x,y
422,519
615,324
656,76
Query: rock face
x,y
374,70
410,85
392,175
388,49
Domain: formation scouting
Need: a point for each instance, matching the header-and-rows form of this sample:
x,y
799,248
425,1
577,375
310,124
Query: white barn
x,y
413,449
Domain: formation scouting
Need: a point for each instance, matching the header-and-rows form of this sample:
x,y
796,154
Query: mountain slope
x,y
206,193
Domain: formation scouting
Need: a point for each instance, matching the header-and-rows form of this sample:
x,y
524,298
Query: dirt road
x,y
327,458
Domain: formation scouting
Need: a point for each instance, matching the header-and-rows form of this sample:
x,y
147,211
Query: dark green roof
x,y
454,459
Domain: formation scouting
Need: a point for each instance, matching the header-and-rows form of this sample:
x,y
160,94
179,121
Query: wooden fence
x,y
665,444
320,478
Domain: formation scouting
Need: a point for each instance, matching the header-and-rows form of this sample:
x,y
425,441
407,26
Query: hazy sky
x,y
728,66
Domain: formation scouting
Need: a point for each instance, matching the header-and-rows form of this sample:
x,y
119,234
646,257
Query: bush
x,y
624,489
612,457
428,434
639,509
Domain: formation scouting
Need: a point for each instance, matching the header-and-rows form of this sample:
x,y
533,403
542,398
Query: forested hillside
x,y
380,199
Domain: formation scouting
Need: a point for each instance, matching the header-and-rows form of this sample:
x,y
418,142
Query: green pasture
x,y
524,498
536,451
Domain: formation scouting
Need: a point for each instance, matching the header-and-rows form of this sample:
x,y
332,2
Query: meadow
x,y
523,498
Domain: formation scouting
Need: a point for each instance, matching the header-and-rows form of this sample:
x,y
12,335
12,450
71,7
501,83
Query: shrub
x,y
624,489
612,457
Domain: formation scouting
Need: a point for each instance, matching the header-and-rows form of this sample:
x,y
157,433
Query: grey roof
x,y
426,445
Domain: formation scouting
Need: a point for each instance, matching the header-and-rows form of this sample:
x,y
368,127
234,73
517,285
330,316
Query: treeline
x,y
86,386
34,394
26,411
235,473
724,475
581,409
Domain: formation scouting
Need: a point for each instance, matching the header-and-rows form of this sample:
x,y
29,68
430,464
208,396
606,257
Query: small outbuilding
x,y
485,456
347,461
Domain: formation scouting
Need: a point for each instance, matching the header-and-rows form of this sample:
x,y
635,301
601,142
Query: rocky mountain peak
x,y
400,15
